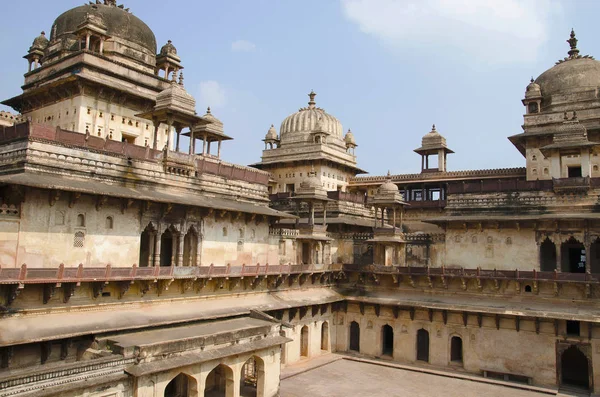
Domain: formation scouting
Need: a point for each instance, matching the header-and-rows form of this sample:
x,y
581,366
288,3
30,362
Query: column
x,y
204,145
311,208
394,218
375,226
178,131
587,245
30,63
191,149
169,126
559,256
382,216
181,239
422,162
152,242
102,45
87,41
155,140
199,251
157,249
174,246
219,150
208,148
324,213
232,385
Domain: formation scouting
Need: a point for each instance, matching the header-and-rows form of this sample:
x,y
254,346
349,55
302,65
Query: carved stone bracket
x,y
68,291
54,196
49,290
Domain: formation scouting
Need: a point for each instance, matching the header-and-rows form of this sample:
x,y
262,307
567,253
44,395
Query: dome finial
x,y
181,78
208,110
312,103
433,127
531,81
573,52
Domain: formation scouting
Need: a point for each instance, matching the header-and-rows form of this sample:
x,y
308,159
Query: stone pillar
x,y
191,149
219,150
199,251
155,123
559,255
587,245
87,41
586,164
555,166
102,46
204,145
382,216
169,126
311,219
324,213
174,244
152,242
157,249
394,218
208,148
178,132
181,239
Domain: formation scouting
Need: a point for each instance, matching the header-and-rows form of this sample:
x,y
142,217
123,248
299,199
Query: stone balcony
x,y
388,234
571,185
313,232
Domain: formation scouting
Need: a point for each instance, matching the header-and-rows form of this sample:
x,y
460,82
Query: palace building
x,y
134,265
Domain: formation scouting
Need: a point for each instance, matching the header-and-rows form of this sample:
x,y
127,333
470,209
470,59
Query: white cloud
x,y
243,46
212,94
494,31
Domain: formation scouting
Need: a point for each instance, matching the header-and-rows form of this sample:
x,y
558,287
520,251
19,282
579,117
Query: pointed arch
x,y
325,336
387,340
354,336
182,385
304,341
147,244
423,345
190,247
252,379
547,255
219,382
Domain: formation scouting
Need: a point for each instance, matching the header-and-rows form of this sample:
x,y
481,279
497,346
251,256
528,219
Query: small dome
x,y
533,90
176,97
168,49
210,117
40,42
388,186
433,139
349,138
311,182
271,134
306,120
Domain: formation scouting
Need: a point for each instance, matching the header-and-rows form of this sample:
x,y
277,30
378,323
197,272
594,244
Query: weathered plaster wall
x,y
504,249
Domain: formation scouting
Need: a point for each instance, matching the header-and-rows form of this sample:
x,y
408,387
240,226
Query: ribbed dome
x,y
119,24
168,49
306,120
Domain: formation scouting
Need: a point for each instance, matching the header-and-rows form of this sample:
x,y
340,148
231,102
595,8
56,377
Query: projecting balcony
x,y
313,232
571,185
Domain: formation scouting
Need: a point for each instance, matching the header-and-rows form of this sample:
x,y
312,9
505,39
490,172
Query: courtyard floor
x,y
351,378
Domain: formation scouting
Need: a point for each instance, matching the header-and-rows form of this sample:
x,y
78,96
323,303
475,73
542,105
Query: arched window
x,y
224,232
387,340
80,220
304,341
533,107
109,222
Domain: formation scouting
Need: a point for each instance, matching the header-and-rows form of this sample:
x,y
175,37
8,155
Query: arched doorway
x,y
354,336
547,256
219,382
387,340
166,248
181,386
574,368
190,248
573,256
456,350
252,380
325,336
147,246
423,345
304,341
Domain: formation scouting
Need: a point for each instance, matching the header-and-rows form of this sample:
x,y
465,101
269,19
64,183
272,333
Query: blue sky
x,y
387,69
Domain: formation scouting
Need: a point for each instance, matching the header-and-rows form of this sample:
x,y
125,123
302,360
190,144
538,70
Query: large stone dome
x,y
574,73
119,24
570,76
306,119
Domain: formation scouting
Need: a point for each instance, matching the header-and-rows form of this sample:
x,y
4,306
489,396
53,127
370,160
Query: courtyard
x,y
352,378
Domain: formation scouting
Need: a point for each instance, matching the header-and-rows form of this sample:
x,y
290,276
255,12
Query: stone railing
x,y
9,210
498,185
284,232
571,184
174,160
399,178
80,274
350,236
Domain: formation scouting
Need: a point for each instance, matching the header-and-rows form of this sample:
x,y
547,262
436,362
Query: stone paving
x,y
350,378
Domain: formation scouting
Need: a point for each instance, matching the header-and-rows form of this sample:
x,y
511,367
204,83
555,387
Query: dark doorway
x,y
304,341
145,252
354,336
180,386
166,248
574,368
305,253
217,381
574,172
547,256
573,328
422,345
325,336
249,381
190,248
456,349
573,256
387,340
